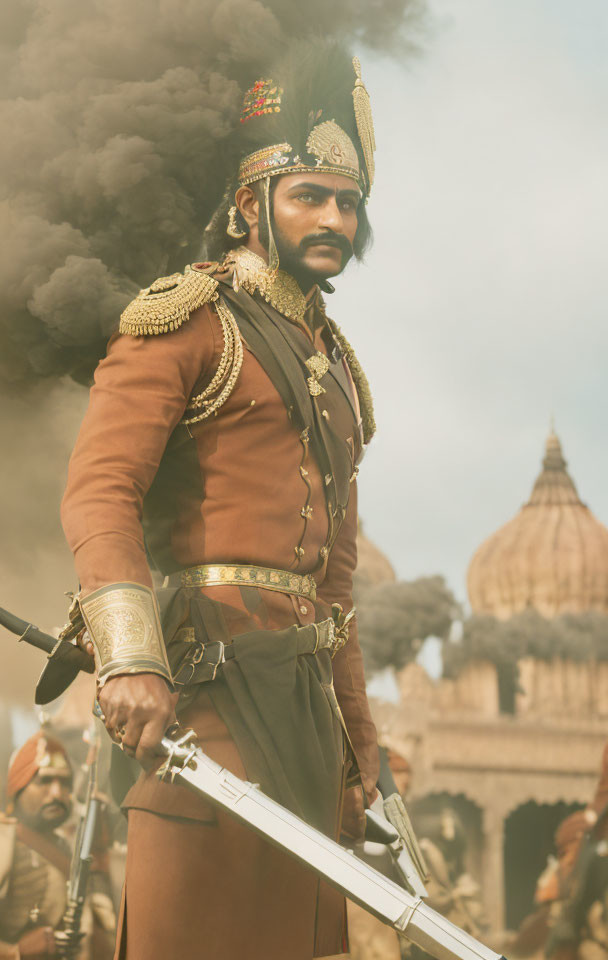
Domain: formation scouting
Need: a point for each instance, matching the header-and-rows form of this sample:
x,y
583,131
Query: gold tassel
x,y
365,123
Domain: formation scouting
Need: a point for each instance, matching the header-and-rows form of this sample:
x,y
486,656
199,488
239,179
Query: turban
x,y
601,794
396,762
40,752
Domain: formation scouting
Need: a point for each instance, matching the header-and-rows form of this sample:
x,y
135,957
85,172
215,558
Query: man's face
x,y
45,803
314,223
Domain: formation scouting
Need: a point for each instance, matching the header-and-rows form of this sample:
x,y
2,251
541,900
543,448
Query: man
x,y
230,414
580,927
35,860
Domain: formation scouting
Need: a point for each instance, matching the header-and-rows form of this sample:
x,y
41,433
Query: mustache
x,y
328,240
55,803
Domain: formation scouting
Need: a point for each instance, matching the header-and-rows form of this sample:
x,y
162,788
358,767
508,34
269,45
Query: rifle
x,y
393,904
68,939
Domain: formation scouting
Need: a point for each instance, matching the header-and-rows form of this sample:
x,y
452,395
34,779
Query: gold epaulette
x,y
167,303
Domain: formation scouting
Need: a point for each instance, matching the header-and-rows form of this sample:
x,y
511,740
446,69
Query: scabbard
x,y
407,914
66,659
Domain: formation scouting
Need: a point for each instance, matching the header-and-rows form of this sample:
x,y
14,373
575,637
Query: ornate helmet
x,y
312,113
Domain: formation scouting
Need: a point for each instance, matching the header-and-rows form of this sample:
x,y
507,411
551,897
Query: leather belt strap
x,y
203,661
245,575
310,639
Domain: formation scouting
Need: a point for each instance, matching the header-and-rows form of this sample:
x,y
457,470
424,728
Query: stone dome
x,y
373,566
551,557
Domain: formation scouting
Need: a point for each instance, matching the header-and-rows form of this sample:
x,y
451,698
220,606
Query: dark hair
x,y
216,242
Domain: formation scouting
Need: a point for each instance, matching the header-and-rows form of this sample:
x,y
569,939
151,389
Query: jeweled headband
x,y
329,148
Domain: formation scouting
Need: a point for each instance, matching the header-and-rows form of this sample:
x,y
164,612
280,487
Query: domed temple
x,y
513,776
551,557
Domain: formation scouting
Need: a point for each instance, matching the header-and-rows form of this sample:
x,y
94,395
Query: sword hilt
x,y
180,749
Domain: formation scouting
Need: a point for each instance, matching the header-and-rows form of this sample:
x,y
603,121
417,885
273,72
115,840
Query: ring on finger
x,y
119,733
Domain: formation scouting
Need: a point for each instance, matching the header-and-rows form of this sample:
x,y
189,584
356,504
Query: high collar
x,y
279,288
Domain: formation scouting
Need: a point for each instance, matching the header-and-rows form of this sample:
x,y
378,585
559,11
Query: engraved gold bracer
x,y
123,623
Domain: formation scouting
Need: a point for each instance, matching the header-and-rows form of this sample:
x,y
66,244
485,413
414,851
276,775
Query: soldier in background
x,y
35,861
580,928
453,892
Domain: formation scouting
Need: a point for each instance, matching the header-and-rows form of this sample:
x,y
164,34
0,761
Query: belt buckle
x,y
197,656
310,585
329,631
221,655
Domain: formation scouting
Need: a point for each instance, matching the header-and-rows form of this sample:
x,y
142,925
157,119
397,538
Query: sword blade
x,y
187,764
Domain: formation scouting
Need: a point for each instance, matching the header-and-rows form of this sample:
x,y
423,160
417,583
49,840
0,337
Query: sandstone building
x,y
514,772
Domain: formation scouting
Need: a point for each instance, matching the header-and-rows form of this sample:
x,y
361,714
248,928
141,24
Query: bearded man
x,y
221,447
35,861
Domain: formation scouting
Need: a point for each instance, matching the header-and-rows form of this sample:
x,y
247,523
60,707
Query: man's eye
x,y
306,197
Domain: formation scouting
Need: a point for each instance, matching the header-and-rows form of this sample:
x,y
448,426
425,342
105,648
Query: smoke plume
x,y
571,636
113,116
396,618
112,122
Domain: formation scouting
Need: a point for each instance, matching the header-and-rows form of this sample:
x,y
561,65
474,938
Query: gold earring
x,y
233,228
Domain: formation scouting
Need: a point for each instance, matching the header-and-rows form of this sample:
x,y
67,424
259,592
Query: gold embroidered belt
x,y
244,575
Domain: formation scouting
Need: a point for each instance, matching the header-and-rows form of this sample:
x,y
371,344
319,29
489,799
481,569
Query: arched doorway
x,y
529,839
424,810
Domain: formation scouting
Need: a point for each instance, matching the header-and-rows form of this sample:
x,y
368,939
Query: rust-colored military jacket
x,y
240,487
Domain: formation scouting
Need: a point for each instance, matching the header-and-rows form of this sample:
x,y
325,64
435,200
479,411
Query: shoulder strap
x,y
45,847
284,360
360,380
8,836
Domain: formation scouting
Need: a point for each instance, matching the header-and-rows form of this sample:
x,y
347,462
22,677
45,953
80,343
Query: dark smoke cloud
x,y
571,636
396,618
111,123
111,118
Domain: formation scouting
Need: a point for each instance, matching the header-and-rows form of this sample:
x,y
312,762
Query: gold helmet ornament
x,y
313,116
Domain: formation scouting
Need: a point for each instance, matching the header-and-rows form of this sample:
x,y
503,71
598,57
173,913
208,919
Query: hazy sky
x,y
482,309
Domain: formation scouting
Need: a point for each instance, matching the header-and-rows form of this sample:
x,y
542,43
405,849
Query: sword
x,y
186,763
407,914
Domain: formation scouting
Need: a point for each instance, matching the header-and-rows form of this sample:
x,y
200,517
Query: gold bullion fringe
x,y
226,375
361,382
167,303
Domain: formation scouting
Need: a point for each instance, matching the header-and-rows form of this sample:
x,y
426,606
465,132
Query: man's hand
x,y
68,944
353,815
38,944
138,709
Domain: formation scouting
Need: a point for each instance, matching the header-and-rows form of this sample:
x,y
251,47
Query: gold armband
x,y
123,623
